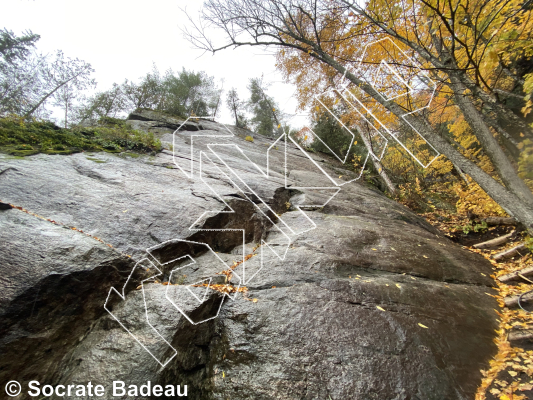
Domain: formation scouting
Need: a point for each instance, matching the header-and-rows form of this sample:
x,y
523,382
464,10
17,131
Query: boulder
x,y
368,302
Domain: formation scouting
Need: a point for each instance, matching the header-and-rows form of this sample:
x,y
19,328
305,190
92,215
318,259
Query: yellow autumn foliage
x,y
472,199
485,25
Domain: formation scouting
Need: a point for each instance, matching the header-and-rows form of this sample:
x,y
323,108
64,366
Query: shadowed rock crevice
x,y
160,120
52,301
222,231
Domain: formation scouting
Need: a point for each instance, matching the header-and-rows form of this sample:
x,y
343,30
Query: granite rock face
x,y
357,298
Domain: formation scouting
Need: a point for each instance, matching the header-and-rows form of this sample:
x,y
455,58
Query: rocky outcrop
x,y
148,120
369,301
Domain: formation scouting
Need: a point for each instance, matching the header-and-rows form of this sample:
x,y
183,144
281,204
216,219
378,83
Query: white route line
x,y
123,297
281,225
411,90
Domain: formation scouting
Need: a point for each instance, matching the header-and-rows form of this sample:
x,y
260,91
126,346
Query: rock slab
x,y
372,303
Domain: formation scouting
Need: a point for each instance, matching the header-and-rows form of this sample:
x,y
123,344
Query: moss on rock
x,y
23,138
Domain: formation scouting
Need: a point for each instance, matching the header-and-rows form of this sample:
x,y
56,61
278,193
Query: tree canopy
x,y
472,51
29,79
266,118
182,94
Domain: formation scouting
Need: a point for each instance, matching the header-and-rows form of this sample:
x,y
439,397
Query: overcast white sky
x,y
122,39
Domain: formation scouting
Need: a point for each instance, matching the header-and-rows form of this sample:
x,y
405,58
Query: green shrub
x,y
476,227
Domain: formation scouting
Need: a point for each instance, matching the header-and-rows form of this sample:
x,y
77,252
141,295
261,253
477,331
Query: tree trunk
x,y
461,174
44,98
490,100
495,221
235,113
502,111
377,164
520,250
495,242
40,102
384,176
515,276
482,132
512,204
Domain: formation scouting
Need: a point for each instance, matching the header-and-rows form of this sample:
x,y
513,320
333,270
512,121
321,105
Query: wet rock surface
x,y
368,302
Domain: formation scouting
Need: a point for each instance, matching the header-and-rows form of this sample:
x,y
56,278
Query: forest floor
x,y
510,374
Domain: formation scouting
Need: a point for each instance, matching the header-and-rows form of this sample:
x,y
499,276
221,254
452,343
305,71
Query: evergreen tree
x,y
236,107
334,136
266,119
13,48
19,70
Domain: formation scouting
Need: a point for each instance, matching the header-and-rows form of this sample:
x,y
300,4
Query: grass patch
x,y
23,138
96,160
132,155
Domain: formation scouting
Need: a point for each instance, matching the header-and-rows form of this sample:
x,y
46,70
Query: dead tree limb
x,y
494,242
517,275
512,301
493,221
521,336
520,250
